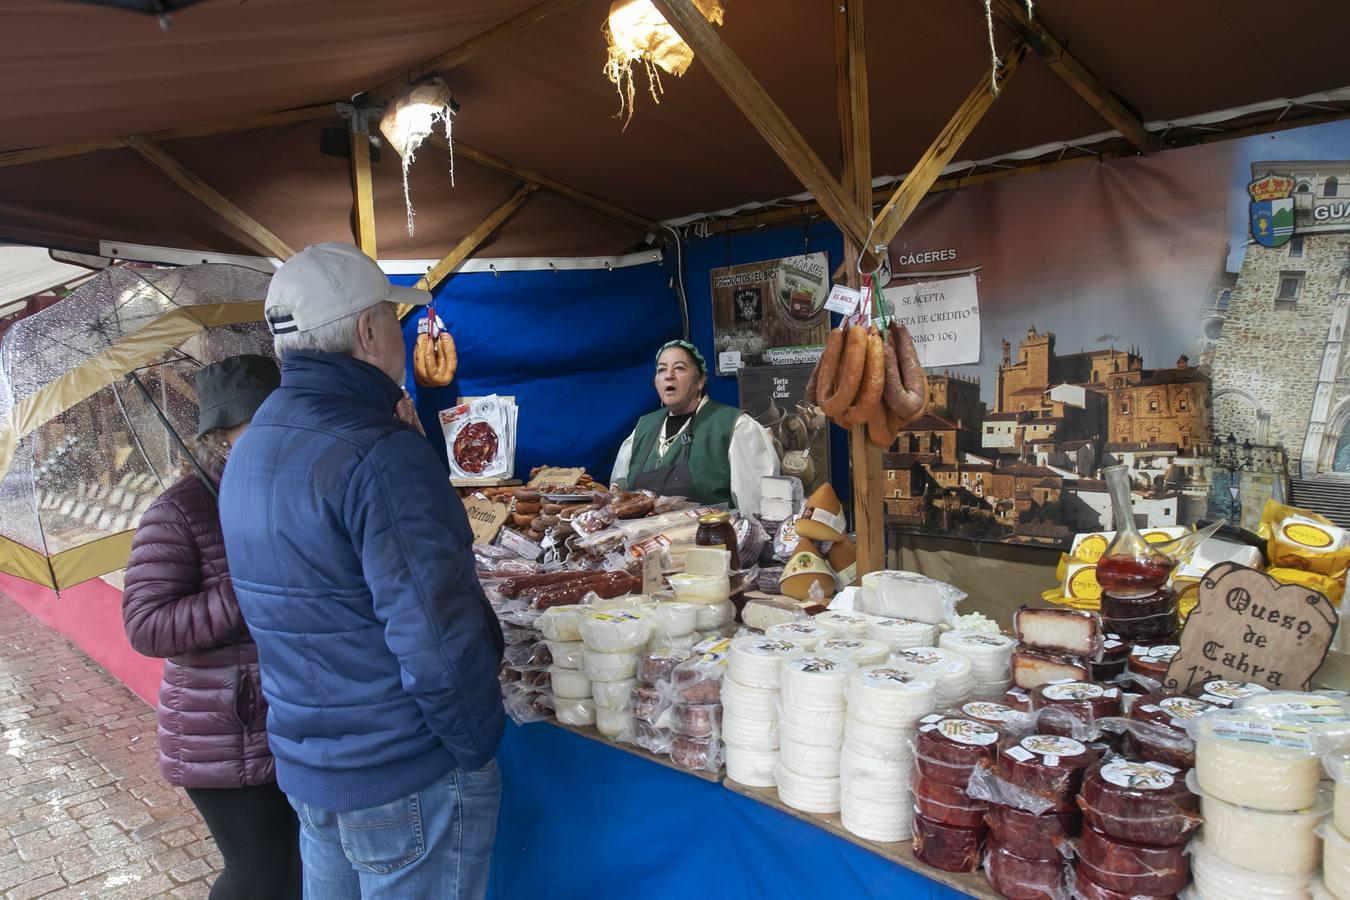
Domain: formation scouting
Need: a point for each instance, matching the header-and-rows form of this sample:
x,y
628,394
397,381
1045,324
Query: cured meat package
x,y
480,437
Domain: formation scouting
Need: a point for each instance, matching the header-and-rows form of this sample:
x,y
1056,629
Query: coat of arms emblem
x,y
1272,210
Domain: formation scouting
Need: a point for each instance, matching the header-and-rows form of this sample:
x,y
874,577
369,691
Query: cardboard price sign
x,y
551,477
485,518
1250,627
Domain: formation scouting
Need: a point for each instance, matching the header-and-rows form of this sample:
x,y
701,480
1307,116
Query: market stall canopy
x,y
25,271
533,95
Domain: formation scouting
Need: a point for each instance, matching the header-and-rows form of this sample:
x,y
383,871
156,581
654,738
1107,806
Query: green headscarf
x,y
688,347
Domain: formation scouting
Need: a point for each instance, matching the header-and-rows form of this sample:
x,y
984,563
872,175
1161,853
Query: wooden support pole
x,y
259,236
363,195
1075,74
769,120
466,51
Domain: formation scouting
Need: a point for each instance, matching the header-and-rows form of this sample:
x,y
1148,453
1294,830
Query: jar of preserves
x,y
716,532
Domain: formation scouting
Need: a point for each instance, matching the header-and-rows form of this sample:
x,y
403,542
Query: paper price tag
x,y
843,300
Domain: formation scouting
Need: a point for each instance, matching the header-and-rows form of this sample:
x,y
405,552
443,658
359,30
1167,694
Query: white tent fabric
x,y
25,271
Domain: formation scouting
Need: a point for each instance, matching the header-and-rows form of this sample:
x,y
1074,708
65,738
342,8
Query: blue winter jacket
x,y
352,559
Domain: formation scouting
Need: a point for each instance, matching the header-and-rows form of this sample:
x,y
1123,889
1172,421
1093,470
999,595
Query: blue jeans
x,y
436,843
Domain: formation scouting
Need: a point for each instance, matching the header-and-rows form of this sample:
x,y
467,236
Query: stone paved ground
x,y
83,810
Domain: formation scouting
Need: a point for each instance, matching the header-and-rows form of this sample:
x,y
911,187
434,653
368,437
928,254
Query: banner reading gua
x,y
943,316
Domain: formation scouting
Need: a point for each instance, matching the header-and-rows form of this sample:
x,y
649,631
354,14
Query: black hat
x,y
229,392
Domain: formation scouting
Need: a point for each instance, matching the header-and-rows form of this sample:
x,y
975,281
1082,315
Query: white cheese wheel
x,y
1216,879
1320,892
574,712
950,671
569,684
561,623
902,634
1254,761
749,702
873,820
703,589
613,723
758,661
886,775
815,682
707,561
804,633
623,601
808,726
809,759
747,733
805,793
859,651
844,625
879,742
661,641
990,655
615,696
1271,843
566,654
908,595
1337,765
616,631
748,766
888,696
609,666
1336,864
711,616
672,619
993,690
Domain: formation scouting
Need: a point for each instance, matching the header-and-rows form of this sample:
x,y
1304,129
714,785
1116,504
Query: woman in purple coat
x,y
179,604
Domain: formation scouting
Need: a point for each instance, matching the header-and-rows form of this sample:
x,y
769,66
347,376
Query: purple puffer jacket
x,y
179,604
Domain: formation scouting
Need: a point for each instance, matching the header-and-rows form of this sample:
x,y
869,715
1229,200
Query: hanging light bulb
x,y
408,122
637,33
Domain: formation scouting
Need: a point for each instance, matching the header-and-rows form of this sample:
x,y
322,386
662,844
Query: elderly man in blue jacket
x,y
352,560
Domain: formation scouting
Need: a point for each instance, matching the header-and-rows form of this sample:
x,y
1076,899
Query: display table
x,y
585,818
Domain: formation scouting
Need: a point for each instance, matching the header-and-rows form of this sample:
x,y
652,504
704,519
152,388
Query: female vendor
x,y
695,447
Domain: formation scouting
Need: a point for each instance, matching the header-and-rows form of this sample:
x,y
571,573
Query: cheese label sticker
x,y
990,712
1077,690
931,718
839,644
803,628
1312,710
1091,548
1160,653
617,615
1052,746
1256,731
986,640
923,656
1308,535
1226,692
1019,754
832,521
774,648
887,676
814,664
1181,707
964,731
841,618
896,623
1143,776
1083,584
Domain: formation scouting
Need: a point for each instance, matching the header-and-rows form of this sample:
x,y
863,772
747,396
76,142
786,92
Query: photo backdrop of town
x,y
1129,314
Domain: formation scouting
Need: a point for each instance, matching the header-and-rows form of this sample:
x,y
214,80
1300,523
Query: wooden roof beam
x,y
458,56
1077,76
769,120
466,247
209,197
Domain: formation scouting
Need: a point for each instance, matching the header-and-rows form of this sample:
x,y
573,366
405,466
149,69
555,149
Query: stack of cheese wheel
x,y
811,731
614,639
990,658
711,597
805,633
1259,784
844,625
908,595
696,713
651,696
950,671
1336,849
876,762
949,829
859,651
750,707
561,628
902,634
674,624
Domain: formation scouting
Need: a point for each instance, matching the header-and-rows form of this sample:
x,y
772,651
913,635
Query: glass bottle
x,y
1131,567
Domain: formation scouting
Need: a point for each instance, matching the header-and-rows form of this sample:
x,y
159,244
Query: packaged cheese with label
x,y
1142,802
1332,586
1300,539
1090,546
1264,841
909,595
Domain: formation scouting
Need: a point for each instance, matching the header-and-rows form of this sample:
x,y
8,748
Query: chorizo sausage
x,y
511,587
893,391
633,506
827,369
835,402
879,430
603,584
873,380
914,394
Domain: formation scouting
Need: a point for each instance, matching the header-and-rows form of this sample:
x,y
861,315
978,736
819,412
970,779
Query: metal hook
x,y
495,273
608,266
552,266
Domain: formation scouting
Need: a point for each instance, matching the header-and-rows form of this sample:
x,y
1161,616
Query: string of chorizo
x,y
835,402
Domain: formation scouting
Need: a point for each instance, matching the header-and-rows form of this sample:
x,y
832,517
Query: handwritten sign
x,y
485,518
943,316
554,477
1250,627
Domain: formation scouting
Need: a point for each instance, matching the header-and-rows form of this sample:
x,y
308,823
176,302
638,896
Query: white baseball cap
x,y
325,282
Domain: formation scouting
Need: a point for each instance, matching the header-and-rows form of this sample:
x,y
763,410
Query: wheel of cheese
x,y
616,631
1217,879
1142,620
613,723
1336,863
1337,765
815,682
947,804
701,590
672,619
1152,661
1227,693
1252,760
1272,843
1161,734
902,634
990,690
1074,708
1087,889
711,616
807,793
879,741
890,697
885,821
609,666
615,696
909,595
698,754
650,737
748,766
749,702
995,714
859,651
757,662
1019,699
1320,892
946,847
569,684
1033,668
990,655
1144,802
803,633
1029,835
658,666
1110,660
843,625
747,733
1131,867
861,768
561,623
574,712
822,519
948,749
808,726
699,720
1019,878
566,654
950,672
648,704
815,760
1045,766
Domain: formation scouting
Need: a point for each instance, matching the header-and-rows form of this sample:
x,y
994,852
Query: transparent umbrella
x,y
83,450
